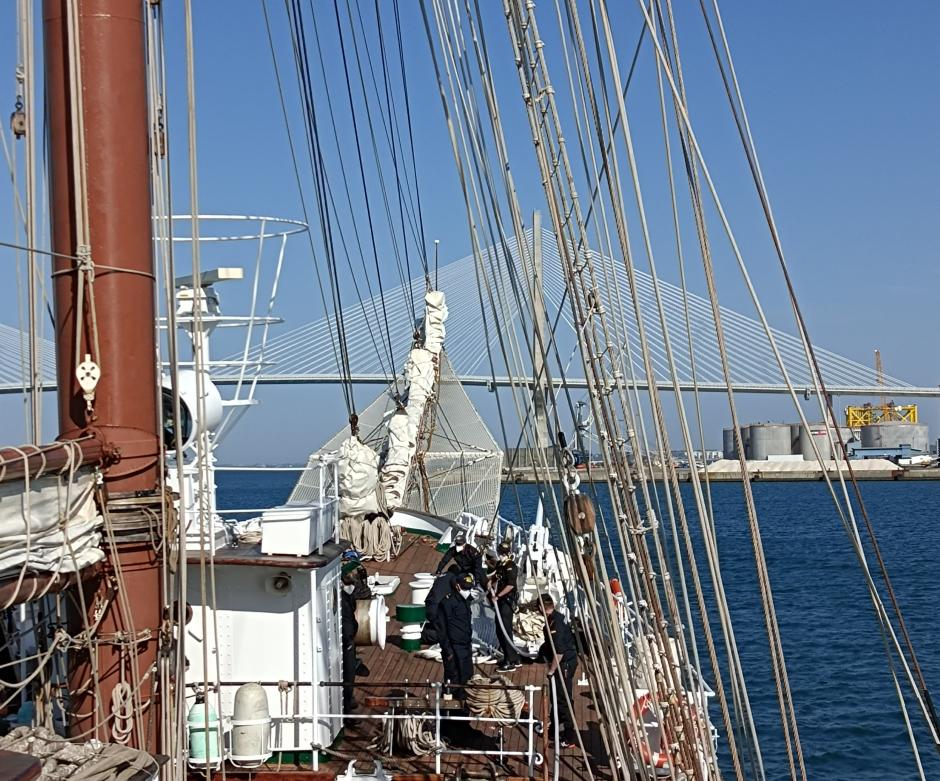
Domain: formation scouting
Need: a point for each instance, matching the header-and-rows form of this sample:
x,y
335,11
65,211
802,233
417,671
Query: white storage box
x,y
298,529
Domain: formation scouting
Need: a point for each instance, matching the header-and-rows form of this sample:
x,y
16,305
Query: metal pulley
x,y
88,373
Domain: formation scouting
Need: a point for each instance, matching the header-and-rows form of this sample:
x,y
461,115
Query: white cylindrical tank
x,y
766,440
817,433
895,434
251,726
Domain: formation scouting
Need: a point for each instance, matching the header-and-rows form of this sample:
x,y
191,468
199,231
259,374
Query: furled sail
x,y
459,463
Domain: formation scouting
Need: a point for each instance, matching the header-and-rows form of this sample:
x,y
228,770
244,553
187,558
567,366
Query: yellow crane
x,y
866,414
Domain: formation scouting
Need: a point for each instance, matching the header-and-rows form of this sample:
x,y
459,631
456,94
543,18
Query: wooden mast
x,y
106,89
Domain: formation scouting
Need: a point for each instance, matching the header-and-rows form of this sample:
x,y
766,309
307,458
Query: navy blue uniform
x,y
443,586
455,634
467,560
349,629
558,635
506,574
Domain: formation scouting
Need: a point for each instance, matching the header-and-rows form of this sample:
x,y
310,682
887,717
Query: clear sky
x,y
843,102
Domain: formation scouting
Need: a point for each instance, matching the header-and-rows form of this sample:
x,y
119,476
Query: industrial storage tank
x,y
818,433
766,440
889,434
728,449
795,429
847,436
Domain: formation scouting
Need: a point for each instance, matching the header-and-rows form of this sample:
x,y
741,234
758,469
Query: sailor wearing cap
x,y
465,556
504,594
455,631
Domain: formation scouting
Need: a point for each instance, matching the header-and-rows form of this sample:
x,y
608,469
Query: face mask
x,y
460,548
465,593
349,588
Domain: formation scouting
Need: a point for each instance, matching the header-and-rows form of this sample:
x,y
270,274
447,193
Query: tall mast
x,y
539,390
99,146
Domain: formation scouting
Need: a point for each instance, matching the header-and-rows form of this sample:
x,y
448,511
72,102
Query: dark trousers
x,y
506,645
458,667
350,663
564,682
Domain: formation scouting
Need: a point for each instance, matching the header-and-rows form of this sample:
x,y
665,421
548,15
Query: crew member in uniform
x,y
441,588
455,632
560,654
465,556
349,627
504,594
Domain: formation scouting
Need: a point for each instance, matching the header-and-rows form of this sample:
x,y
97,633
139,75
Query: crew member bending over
x,y
560,654
465,556
504,594
455,632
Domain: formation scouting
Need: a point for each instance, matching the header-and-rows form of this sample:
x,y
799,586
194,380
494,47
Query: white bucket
x,y
419,591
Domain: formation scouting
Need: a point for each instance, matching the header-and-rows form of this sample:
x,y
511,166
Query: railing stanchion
x,y
544,714
531,730
438,748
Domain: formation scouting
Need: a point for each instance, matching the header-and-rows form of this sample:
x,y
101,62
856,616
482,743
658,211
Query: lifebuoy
x,y
653,753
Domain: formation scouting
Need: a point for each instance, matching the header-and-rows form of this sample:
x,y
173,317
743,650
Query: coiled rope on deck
x,y
413,735
494,703
374,539
529,626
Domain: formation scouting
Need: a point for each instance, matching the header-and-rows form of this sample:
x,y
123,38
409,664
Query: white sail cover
x,y
435,314
463,463
404,430
51,525
358,477
400,450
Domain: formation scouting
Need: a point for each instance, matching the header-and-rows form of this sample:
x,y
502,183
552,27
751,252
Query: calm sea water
x,y
850,722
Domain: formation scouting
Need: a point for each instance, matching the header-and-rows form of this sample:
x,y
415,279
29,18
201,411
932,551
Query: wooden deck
x,y
395,666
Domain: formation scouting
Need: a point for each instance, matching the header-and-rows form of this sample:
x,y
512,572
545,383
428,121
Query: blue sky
x,y
843,102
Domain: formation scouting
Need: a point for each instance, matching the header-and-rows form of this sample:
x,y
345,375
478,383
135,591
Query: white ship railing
x,y
531,724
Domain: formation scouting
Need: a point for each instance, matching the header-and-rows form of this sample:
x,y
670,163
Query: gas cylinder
x,y
204,734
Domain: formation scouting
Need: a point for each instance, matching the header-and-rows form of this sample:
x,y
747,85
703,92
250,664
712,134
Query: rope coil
x,y
502,704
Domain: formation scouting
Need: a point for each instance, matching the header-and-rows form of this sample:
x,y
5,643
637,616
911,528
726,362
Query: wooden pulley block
x,y
579,510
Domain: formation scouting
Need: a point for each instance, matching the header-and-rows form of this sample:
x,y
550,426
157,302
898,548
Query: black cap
x,y
460,538
465,581
504,547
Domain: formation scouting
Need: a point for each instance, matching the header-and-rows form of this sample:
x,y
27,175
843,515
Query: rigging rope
x,y
302,66
739,113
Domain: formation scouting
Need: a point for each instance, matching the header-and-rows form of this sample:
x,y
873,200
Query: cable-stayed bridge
x,y
486,302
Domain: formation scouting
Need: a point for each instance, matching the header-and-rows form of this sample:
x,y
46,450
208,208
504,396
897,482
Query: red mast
x,y
95,72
